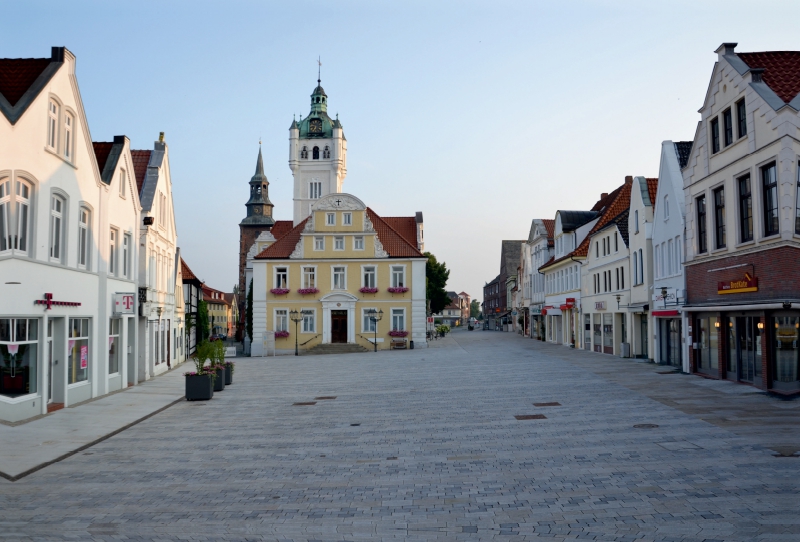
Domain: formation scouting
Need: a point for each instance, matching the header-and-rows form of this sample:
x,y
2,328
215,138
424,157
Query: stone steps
x,y
334,349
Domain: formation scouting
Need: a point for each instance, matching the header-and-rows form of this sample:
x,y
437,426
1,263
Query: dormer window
x,y
304,153
316,153
326,153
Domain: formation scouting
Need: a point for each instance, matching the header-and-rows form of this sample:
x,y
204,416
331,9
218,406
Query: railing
x,y
309,340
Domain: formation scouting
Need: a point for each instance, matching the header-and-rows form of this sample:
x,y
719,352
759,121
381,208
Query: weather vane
x,y
319,69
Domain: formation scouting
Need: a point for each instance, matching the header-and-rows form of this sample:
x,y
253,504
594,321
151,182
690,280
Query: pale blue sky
x,y
482,115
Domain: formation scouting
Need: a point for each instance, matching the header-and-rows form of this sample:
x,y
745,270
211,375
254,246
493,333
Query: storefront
x,y
554,328
669,337
537,322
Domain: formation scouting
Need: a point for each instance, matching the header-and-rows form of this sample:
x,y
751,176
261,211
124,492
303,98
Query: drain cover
x,y
326,398
391,458
530,417
547,404
354,424
309,403
645,426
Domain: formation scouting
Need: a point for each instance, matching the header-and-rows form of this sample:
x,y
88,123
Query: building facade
x,y
641,228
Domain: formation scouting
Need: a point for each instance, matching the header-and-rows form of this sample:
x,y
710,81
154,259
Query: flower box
x,y
398,290
228,373
199,387
368,290
304,291
398,333
219,380
281,334
279,291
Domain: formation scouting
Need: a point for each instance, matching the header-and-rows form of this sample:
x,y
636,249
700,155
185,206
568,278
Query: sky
x,y
482,115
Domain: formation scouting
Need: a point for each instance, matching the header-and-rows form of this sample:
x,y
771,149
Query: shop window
x,y
598,333
19,339
587,331
113,345
78,354
786,354
608,333
707,344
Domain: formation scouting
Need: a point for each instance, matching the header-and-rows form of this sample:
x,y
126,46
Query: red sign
x,y
749,284
566,307
570,300
48,300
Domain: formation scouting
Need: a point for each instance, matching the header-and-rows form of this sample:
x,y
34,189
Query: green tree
x,y
249,312
202,322
474,309
436,275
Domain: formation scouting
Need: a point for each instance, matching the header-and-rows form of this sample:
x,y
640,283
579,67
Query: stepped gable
x,y
393,243
781,71
283,247
406,226
140,161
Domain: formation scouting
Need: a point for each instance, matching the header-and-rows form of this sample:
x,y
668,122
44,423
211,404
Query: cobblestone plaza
x,y
427,445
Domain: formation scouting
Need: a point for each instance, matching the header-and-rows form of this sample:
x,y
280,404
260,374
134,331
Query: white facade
x,y
539,250
640,229
68,231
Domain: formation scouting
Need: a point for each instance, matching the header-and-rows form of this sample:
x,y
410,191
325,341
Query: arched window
x,y
69,122
57,209
52,125
304,153
315,155
83,238
326,153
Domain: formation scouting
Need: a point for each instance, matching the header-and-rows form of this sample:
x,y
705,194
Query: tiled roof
x,y
208,295
652,188
621,221
393,243
550,226
406,226
18,74
683,149
101,151
284,245
186,273
140,161
281,228
781,71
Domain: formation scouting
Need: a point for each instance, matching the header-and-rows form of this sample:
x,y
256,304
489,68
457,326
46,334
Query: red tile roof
x,y
186,273
101,151
652,189
406,226
781,71
550,226
208,295
140,161
18,74
281,228
284,245
393,243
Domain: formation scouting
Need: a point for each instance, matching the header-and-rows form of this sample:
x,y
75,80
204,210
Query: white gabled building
x,y
68,231
539,250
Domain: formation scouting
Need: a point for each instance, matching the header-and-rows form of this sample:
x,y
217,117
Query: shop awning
x,y
552,312
567,306
666,313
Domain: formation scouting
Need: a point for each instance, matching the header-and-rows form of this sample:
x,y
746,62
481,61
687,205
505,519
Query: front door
x,y
645,353
49,361
338,326
748,348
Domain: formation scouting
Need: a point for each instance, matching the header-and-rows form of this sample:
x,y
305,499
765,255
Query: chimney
x,y
628,179
57,54
604,195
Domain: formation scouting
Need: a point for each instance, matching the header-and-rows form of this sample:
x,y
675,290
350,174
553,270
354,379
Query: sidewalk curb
x,y
88,445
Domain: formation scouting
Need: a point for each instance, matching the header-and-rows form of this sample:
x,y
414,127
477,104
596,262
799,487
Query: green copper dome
x,y
317,124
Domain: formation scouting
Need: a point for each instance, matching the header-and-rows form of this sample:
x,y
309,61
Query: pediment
x,y
338,202
338,297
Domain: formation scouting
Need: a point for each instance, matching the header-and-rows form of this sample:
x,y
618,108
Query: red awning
x,y
666,313
567,306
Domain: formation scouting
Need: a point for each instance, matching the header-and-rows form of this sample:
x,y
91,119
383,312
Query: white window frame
x,y
127,247
367,326
319,244
6,188
309,315
123,183
347,219
314,189
330,219
392,315
374,275
88,338
276,272
84,237
395,283
53,112
69,136
358,242
57,222
304,275
333,277
338,243
284,319
113,245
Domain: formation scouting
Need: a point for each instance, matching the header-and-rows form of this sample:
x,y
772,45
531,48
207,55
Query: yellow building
x,y
332,268
219,311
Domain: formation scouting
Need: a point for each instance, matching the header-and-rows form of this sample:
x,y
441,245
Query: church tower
x,y
317,155
258,220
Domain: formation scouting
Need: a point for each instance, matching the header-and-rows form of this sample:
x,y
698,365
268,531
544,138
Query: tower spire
x,y
319,70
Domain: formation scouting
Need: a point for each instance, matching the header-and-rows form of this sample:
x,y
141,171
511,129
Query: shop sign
x,y
123,303
84,357
599,305
748,284
570,300
48,300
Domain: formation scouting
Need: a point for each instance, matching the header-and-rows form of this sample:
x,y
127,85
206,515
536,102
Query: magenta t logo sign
x,y
127,301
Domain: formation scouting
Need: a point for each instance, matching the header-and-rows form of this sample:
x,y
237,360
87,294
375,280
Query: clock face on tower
x,y
315,126
257,210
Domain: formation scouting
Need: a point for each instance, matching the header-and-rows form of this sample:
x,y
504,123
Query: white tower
x,y
317,155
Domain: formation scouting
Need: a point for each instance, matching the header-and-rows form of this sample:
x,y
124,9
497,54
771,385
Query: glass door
x,y
643,320
749,348
49,361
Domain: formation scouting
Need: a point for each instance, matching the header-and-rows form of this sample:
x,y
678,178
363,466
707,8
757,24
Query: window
x,y
670,251
338,243
727,124
666,207
741,118
399,319
162,210
52,125
641,267
5,210
83,238
770,187
112,252
315,153
715,136
126,255
78,353
281,320
596,249
701,225
622,277
304,153
19,340
330,219
636,221
319,243
369,277
617,278
797,203
281,277
326,153
719,216
745,209
616,242
309,321
398,276
358,243
339,278
113,346
56,227
656,261
69,123
347,219
368,324
635,268
123,183
309,277
678,254
314,190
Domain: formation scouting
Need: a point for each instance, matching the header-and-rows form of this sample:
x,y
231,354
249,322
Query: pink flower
x,y
398,333
279,291
368,290
398,290
304,291
281,334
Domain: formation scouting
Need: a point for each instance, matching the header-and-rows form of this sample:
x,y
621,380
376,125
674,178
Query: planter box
x,y
199,387
228,375
219,382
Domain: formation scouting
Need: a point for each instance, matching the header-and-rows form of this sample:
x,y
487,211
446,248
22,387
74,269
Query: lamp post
x,y
375,317
296,316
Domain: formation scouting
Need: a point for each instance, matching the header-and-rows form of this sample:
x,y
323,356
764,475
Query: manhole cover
x,y
391,458
326,398
354,424
309,403
547,404
645,426
530,417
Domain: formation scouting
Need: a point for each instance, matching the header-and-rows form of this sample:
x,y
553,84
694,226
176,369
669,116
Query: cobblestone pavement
x,y
417,445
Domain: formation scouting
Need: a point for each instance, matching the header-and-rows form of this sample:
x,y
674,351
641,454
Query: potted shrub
x,y
200,382
229,366
217,354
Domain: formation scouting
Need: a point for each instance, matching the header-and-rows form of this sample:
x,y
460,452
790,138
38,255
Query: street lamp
x,y
618,298
375,317
296,316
